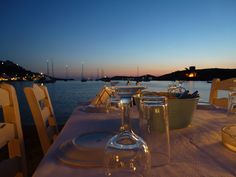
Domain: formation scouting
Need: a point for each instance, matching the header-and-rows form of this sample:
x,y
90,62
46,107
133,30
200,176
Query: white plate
x,y
86,150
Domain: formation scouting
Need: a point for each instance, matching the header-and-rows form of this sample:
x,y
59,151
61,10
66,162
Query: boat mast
x,y
82,73
98,73
137,71
47,67
52,69
66,71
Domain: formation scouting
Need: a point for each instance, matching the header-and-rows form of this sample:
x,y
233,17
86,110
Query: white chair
x,y
11,134
232,102
43,114
217,85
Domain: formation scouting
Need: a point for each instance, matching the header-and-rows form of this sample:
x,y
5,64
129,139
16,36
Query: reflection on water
x,y
65,96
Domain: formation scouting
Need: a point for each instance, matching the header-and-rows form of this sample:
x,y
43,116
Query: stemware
x,y
126,153
175,88
125,95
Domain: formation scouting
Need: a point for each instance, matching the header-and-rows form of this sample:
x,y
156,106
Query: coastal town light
x,y
191,75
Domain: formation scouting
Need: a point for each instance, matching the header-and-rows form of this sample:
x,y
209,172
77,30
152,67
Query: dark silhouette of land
x,y
9,70
200,75
14,72
187,75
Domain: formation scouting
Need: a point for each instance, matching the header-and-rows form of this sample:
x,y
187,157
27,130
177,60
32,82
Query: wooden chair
x,y
11,134
43,114
102,97
216,85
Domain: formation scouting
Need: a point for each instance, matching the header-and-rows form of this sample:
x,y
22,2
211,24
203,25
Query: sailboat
x,y
82,74
83,80
47,78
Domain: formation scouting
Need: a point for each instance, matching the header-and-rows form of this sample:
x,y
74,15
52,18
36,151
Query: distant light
x,y
2,63
191,75
117,158
41,73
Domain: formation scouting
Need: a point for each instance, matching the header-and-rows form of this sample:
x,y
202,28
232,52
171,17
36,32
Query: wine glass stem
x,y
125,121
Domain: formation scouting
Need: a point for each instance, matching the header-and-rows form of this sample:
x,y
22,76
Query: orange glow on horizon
x,y
91,72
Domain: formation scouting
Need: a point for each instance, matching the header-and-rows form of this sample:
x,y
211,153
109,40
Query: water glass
x,y
155,129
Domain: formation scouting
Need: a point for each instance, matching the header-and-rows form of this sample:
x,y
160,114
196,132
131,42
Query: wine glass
x,y
175,88
126,153
125,95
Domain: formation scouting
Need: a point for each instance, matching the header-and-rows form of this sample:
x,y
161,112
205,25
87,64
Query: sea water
x,y
65,96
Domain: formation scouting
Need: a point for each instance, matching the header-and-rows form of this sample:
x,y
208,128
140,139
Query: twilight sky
x,y
118,36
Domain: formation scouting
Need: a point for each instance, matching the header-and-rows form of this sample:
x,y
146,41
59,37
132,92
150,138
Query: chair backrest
x,y
11,134
102,97
216,85
43,114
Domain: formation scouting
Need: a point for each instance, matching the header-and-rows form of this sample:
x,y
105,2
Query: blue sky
x,y
157,36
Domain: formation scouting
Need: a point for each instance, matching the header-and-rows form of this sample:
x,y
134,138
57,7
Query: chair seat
x,y
220,102
7,133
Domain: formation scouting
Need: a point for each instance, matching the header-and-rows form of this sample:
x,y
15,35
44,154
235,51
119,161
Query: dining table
x,y
196,151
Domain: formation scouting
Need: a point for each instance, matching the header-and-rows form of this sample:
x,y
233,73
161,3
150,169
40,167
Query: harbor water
x,y
65,96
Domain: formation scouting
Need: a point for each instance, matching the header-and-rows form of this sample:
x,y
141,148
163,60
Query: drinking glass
x,y
155,128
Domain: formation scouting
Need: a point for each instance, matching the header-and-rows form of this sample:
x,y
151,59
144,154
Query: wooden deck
x,y
196,151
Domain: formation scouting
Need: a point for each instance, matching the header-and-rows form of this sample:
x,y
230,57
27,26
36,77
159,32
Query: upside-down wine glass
x,y
126,153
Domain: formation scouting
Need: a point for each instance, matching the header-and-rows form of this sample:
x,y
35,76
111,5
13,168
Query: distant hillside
x,y
200,75
187,74
11,69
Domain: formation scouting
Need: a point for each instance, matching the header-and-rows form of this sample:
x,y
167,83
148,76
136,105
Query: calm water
x,y
65,96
